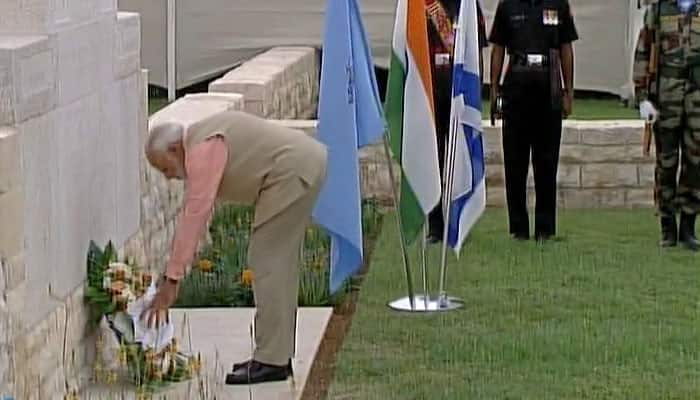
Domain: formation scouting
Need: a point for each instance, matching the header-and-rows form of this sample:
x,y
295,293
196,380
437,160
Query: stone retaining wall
x,y
601,166
281,83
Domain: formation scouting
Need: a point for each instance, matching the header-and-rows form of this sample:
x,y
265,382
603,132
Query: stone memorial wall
x,y
72,107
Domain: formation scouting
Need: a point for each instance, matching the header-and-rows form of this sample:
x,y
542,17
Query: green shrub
x,y
217,279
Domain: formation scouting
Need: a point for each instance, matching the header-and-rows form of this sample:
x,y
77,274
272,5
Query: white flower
x,y
106,282
165,362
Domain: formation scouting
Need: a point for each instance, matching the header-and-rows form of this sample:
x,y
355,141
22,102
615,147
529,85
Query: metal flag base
x,y
423,304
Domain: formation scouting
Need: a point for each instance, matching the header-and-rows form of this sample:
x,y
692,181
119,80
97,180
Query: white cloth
x,y
110,346
648,112
154,338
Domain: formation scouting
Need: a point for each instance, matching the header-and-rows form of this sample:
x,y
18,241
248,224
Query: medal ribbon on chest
x,y
442,23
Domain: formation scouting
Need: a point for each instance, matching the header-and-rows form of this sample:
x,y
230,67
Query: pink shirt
x,y
204,167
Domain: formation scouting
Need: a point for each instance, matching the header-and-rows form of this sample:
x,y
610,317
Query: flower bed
x,y
220,277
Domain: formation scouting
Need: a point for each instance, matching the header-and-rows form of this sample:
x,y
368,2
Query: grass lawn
x,y
590,109
600,314
156,103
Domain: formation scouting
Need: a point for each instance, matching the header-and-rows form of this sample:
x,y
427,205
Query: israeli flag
x,y
468,197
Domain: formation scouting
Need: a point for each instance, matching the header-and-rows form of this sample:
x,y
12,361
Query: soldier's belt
x,y
529,60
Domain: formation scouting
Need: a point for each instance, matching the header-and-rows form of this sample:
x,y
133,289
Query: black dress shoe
x,y
686,232
246,362
669,232
253,372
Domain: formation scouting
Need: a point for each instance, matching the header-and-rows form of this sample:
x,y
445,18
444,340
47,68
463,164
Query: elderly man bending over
x,y
239,158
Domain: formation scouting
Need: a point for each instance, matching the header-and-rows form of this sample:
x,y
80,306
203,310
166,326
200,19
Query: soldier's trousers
x,y
531,126
677,139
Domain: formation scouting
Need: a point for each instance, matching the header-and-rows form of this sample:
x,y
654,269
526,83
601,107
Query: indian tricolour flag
x,y
410,116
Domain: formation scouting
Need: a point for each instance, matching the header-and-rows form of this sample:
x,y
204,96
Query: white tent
x,y
185,41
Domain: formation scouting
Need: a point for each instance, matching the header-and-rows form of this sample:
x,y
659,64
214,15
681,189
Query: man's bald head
x,y
165,149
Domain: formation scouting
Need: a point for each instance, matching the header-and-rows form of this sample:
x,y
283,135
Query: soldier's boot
x,y
686,232
669,232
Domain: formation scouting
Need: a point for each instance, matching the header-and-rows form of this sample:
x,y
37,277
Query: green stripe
x,y
412,216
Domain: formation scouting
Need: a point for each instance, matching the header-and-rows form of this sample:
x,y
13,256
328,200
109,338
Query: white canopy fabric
x,y
215,35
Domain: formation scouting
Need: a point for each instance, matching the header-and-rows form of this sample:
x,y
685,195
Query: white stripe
x,y
467,51
419,156
469,116
398,43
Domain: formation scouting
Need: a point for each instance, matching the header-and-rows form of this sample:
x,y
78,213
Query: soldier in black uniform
x,y
441,68
537,35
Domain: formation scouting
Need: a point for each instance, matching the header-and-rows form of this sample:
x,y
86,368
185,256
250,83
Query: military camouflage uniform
x,y
678,102
676,95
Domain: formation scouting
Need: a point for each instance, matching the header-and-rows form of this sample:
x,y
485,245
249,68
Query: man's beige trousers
x,y
274,256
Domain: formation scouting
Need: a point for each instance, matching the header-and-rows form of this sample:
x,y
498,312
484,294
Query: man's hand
x,y
495,112
568,103
157,312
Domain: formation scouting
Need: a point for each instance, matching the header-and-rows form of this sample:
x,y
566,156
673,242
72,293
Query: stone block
x,y
15,303
606,137
495,196
640,198
107,6
647,174
10,160
103,221
375,182
586,154
13,271
569,175
493,152
610,132
570,135
80,61
128,155
27,77
12,223
44,16
108,48
609,175
192,108
280,83
495,175
38,142
127,45
143,128
592,198
73,197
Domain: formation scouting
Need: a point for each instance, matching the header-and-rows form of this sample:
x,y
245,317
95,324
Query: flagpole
x,y
445,302
426,294
409,280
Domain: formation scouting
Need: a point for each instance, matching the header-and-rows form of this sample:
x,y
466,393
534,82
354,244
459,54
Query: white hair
x,y
163,135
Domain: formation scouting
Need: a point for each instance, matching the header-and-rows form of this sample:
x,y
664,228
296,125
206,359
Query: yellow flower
x,y
205,265
111,378
247,277
122,355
